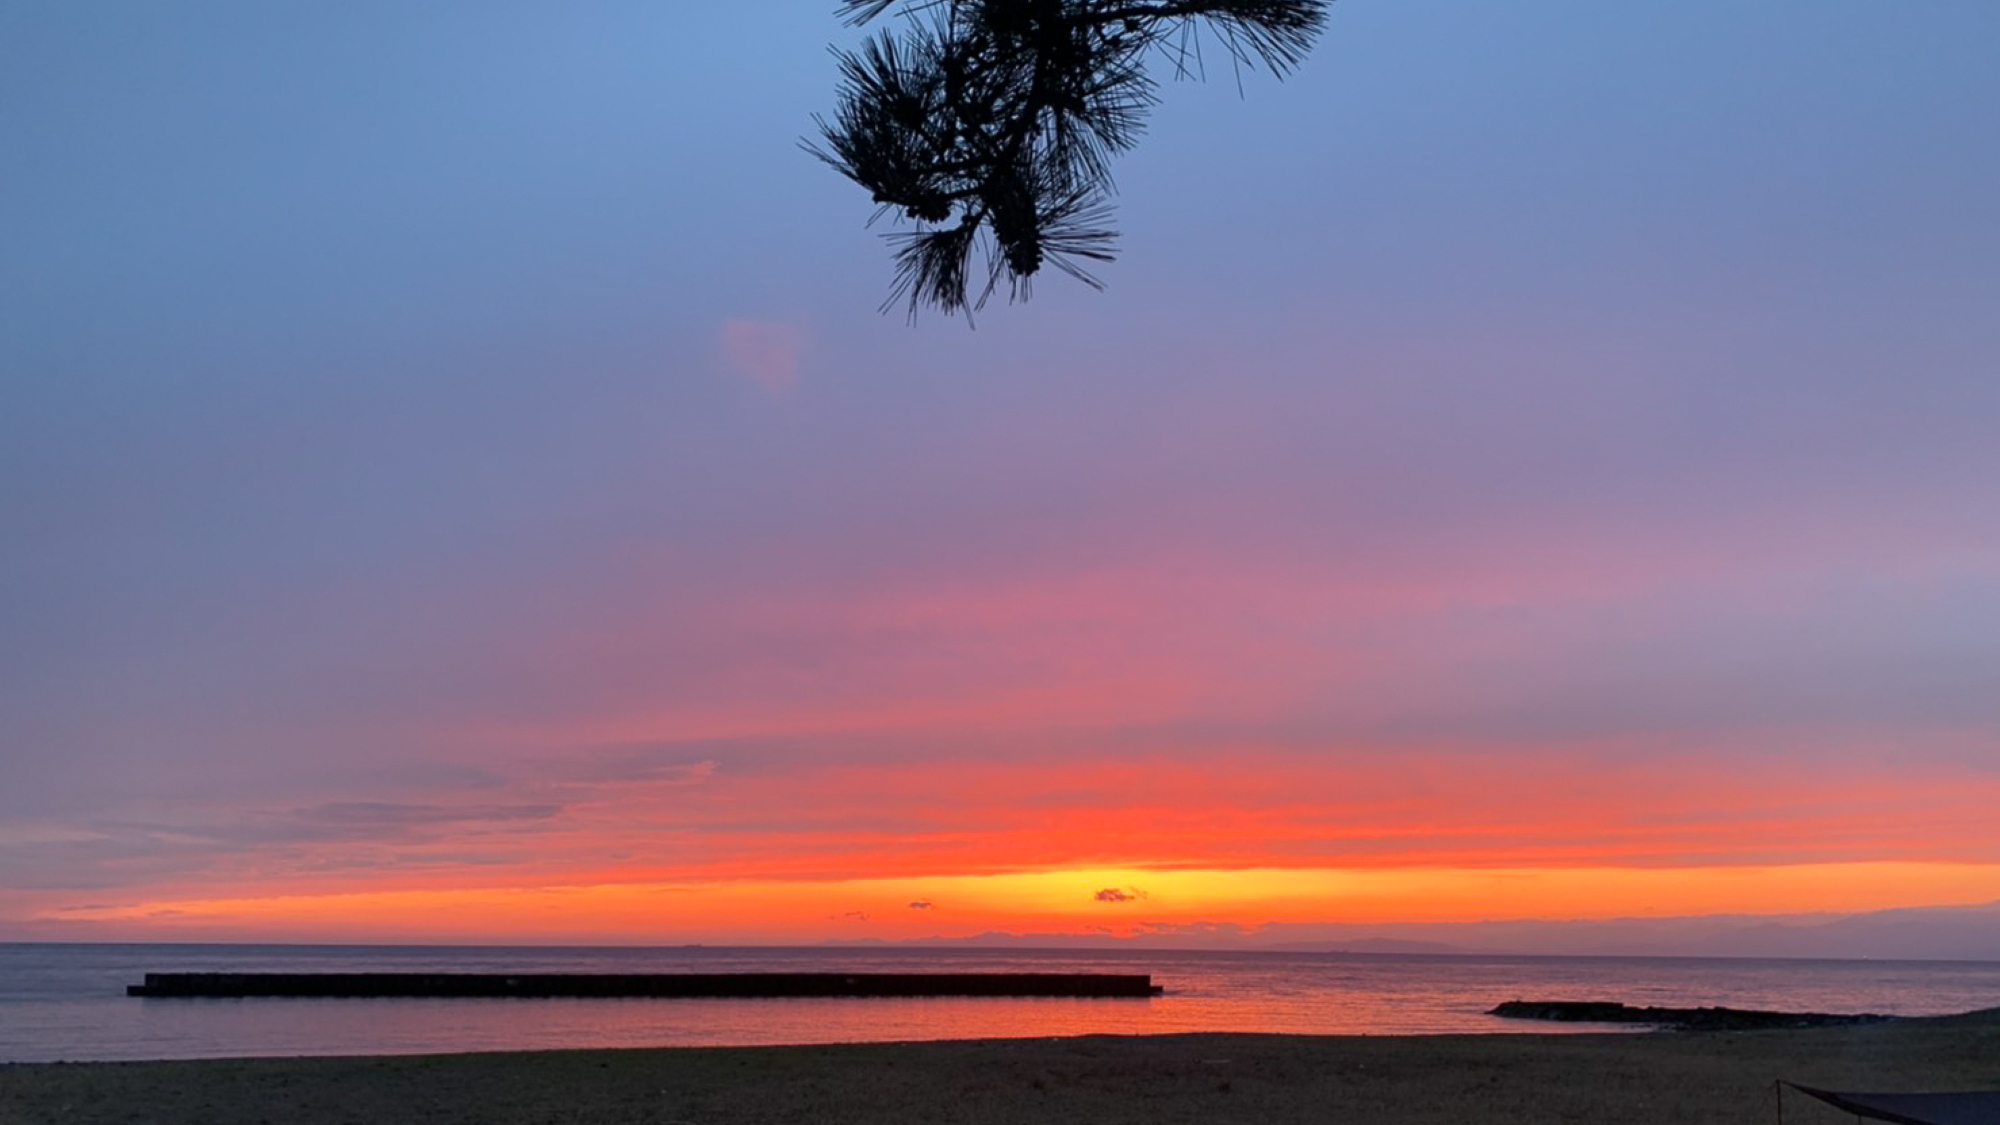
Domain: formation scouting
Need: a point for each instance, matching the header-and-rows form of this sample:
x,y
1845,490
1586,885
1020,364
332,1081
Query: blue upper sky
x,y
393,394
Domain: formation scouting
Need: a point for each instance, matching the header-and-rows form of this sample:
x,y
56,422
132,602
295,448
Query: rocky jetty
x,y
1682,1019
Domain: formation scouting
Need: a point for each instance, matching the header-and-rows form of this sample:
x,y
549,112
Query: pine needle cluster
x,y
989,125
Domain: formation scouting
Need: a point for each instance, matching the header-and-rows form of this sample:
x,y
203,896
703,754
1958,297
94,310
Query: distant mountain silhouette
x,y
1927,933
1371,945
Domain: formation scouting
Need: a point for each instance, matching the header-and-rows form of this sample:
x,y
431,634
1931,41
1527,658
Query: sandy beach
x,y
1711,1078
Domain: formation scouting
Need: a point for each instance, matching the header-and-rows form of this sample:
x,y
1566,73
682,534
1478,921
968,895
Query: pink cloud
x,y
764,351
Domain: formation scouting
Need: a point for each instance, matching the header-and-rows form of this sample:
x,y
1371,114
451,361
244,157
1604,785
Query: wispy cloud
x,y
667,763
393,816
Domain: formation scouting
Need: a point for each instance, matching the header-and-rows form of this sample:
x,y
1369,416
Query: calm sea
x,y
68,1001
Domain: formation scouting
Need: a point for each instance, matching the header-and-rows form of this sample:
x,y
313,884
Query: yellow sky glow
x,y
1117,900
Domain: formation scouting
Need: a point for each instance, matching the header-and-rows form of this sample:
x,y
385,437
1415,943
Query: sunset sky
x,y
1541,460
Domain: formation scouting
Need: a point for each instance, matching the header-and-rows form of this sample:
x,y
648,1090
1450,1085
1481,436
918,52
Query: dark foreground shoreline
x,y
1718,1078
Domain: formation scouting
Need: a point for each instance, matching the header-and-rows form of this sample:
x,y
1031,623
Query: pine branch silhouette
x,y
990,125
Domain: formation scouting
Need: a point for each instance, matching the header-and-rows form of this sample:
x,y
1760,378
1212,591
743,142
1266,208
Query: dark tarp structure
x,y
1979,1107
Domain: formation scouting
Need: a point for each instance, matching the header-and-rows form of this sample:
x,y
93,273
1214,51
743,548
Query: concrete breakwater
x,y
656,985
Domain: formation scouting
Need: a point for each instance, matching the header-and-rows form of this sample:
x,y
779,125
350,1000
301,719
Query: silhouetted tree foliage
x,y
990,124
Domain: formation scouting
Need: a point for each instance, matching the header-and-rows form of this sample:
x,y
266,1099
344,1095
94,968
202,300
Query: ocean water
x,y
67,1002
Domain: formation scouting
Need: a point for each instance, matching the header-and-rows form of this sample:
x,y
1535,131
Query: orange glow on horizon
x,y
1121,901
713,850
